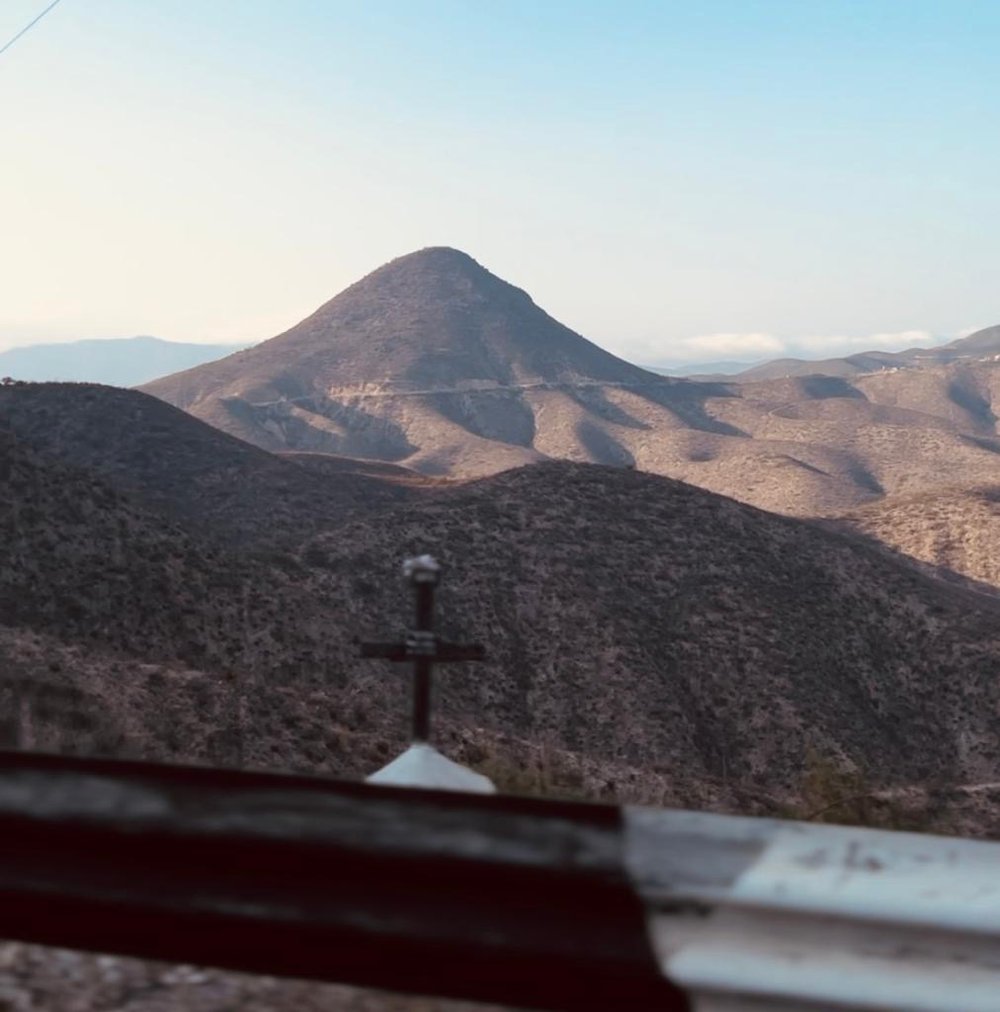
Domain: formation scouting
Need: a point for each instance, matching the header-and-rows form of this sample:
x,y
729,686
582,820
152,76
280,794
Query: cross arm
x,y
442,652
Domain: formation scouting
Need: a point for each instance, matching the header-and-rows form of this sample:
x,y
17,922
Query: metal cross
x,y
422,646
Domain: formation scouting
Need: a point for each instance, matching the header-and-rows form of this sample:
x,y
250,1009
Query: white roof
x,y
421,765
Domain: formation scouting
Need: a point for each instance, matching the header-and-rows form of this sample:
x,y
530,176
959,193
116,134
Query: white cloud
x,y
755,346
719,346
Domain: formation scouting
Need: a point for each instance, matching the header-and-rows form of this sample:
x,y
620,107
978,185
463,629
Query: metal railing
x,y
528,902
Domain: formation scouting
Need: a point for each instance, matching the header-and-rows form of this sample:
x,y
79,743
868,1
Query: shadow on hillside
x,y
990,445
603,448
973,402
499,414
864,478
951,577
687,401
595,401
821,388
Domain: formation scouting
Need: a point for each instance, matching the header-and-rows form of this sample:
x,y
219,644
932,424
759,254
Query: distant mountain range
x,y
122,362
723,368
980,346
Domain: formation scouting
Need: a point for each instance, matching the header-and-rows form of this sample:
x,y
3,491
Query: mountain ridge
x,y
983,344
171,462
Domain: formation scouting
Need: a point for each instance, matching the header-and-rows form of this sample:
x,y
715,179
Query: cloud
x,y
755,346
730,346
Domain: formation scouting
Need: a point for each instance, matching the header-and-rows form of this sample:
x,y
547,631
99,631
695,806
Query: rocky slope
x,y
957,530
630,619
174,464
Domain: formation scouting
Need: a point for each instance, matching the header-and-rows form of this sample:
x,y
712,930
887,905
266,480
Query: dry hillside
x,y
197,475
956,530
632,620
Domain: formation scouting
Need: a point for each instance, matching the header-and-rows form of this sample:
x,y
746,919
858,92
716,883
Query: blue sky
x,y
676,181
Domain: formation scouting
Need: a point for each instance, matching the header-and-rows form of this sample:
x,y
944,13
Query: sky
x,y
676,181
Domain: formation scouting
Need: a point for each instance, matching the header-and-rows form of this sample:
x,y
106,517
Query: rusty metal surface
x,y
518,901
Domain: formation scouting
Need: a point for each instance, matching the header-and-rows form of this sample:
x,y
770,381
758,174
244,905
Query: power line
x,y
28,27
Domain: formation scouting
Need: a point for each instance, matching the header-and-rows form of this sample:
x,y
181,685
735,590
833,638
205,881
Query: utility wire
x,y
28,27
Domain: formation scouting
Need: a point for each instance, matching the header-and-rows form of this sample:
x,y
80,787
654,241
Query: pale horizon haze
x,y
675,181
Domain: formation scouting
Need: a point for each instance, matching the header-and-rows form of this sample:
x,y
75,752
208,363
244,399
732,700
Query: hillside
x,y
957,530
825,444
648,641
171,462
616,607
619,610
85,563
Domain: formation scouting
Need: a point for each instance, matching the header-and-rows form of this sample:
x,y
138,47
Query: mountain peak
x,y
431,349
439,273
444,255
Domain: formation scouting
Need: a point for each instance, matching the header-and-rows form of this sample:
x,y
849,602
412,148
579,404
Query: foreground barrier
x,y
528,902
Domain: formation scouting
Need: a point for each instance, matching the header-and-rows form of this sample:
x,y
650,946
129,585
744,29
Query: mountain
x,y
850,365
434,362
984,344
713,369
123,362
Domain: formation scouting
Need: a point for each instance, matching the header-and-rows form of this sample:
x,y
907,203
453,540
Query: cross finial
x,y
422,569
422,646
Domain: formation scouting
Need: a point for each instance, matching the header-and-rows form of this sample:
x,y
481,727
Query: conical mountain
x,y
430,359
431,319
